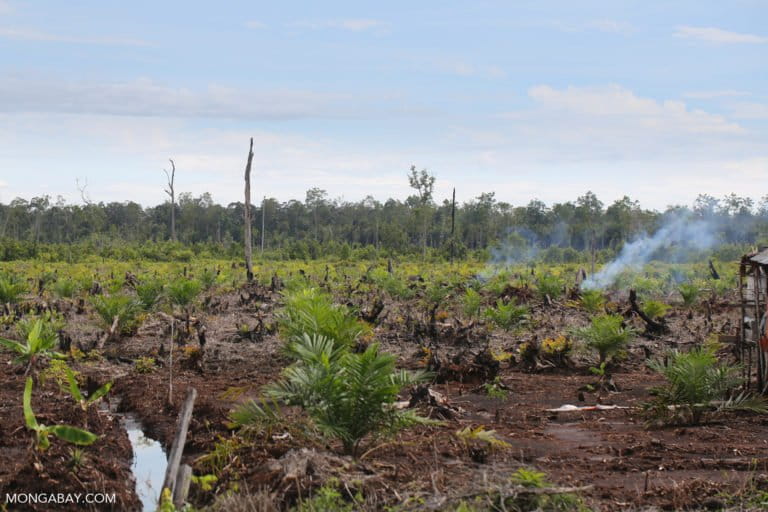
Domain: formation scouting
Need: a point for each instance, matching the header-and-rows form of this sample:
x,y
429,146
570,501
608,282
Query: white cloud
x,y
613,101
350,24
717,35
748,110
126,156
5,7
706,95
25,34
145,97
608,139
256,25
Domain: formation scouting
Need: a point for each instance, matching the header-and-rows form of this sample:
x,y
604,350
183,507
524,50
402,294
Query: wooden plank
x,y
177,448
183,479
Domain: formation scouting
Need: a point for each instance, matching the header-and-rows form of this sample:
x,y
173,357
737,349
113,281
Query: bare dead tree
x,y
453,223
247,239
171,176
83,194
263,210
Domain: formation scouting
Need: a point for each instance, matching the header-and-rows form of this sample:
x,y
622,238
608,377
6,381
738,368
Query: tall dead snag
x,y
171,176
247,214
263,213
453,223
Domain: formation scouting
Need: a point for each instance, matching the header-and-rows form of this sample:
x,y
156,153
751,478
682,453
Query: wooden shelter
x,y
753,294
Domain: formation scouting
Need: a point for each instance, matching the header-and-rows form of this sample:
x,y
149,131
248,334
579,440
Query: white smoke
x,y
679,230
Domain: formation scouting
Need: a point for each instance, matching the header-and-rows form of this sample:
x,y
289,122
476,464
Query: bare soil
x,y
624,464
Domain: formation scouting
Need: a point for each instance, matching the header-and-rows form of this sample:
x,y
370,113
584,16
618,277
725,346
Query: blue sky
x,y
657,100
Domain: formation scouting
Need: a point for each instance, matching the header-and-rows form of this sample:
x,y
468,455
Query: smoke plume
x,y
677,230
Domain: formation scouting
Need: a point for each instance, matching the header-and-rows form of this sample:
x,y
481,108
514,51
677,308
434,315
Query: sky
x,y
657,100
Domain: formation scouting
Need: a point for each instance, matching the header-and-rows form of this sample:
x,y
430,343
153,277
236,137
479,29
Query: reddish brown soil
x,y
105,467
626,464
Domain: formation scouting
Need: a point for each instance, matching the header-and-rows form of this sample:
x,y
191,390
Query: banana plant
x,y
42,432
39,342
85,402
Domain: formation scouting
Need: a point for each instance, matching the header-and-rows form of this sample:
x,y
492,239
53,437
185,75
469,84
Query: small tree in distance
x,y
424,184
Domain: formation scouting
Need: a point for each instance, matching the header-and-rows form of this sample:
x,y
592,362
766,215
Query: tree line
x,y
320,225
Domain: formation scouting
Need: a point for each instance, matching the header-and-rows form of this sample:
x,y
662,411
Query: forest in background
x,y
320,226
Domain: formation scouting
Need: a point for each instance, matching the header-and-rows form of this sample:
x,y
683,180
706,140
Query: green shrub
x,y
471,303
309,311
42,432
145,364
124,307
592,300
655,309
208,278
689,292
39,341
65,288
549,286
149,292
508,316
348,396
182,292
51,324
698,383
328,499
11,289
605,334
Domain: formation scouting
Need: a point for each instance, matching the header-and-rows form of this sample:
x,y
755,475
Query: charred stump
x,y
652,327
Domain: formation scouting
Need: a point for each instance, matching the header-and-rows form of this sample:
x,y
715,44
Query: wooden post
x,y
247,236
177,448
183,479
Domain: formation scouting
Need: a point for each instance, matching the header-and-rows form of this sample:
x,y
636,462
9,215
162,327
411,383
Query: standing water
x,y
149,463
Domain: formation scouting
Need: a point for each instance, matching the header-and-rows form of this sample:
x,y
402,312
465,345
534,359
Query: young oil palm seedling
x,y
689,292
549,286
39,342
606,334
65,288
11,289
117,310
309,311
698,384
182,292
508,316
348,396
149,292
85,401
471,302
208,278
655,309
592,300
42,432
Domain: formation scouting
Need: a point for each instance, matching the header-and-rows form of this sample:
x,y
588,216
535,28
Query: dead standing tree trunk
x,y
263,213
453,224
247,237
172,194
